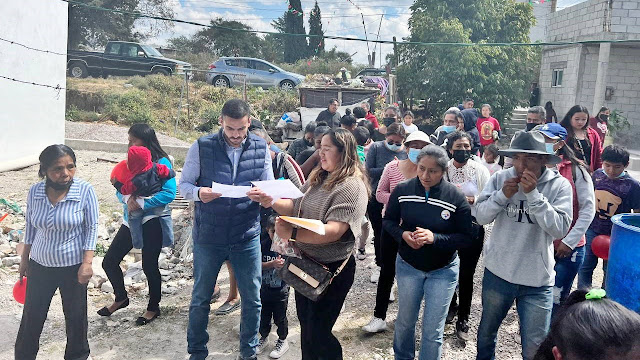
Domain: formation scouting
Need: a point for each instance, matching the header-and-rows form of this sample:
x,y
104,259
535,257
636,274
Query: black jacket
x,y
445,212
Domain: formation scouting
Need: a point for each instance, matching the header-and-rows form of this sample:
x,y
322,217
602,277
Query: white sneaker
x,y
376,325
262,344
282,346
392,296
375,275
361,255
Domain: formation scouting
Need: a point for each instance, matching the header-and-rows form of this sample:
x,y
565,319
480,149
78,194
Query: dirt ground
x,y
117,337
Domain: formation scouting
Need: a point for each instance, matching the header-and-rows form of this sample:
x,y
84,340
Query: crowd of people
x,y
425,199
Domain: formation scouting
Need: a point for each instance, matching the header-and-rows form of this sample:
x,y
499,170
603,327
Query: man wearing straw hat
x,y
531,206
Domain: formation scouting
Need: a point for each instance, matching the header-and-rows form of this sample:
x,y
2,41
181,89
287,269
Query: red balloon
x,y
600,246
20,290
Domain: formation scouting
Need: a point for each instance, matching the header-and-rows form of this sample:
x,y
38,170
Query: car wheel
x,y
220,81
161,72
78,70
287,85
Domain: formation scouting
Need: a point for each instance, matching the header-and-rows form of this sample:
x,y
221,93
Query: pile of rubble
x,y
12,232
174,263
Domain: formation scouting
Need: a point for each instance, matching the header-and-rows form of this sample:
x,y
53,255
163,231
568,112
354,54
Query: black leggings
x,y
318,317
374,211
151,246
468,260
388,253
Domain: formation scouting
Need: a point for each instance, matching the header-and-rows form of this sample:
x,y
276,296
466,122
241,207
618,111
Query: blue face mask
x,y
413,155
274,148
448,129
393,147
550,148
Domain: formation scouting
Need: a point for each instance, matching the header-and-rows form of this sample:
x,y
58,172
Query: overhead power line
x,y
346,38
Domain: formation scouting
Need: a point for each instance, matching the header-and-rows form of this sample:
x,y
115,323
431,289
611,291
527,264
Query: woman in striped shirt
x,y
60,237
394,173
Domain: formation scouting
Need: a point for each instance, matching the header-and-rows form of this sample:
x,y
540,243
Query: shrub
x,y
129,107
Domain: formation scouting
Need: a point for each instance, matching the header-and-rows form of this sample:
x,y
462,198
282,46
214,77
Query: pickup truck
x,y
122,58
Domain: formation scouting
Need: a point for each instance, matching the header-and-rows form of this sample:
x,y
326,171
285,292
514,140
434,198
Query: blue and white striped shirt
x,y
59,234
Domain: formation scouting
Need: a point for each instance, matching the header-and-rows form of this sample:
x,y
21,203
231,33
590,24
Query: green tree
x,y
93,28
295,47
444,75
316,43
223,38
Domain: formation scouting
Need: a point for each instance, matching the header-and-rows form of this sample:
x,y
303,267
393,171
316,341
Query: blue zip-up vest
x,y
225,220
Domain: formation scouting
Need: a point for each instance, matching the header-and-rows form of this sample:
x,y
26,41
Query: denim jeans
x,y
246,262
585,274
135,224
436,287
534,306
566,270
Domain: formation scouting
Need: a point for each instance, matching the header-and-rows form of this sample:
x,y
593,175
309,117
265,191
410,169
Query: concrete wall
x,y
584,19
32,117
541,12
624,77
625,17
568,59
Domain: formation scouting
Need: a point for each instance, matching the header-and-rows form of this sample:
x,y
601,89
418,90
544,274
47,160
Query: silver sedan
x,y
234,71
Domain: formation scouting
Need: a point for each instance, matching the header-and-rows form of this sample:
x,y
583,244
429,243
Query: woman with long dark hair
x,y
582,139
157,231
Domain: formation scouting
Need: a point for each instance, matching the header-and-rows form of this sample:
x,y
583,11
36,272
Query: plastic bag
x,y
284,247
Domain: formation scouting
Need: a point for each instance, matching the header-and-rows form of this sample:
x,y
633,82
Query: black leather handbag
x,y
306,275
309,277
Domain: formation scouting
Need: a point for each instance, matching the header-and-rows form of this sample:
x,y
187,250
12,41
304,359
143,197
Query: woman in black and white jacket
x,y
431,219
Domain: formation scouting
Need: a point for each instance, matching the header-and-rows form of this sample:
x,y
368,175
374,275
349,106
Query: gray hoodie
x,y
520,249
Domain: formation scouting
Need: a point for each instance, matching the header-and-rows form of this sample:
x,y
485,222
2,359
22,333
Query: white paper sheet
x,y
230,191
279,189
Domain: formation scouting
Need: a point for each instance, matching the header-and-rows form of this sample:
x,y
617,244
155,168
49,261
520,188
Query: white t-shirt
x,y
409,129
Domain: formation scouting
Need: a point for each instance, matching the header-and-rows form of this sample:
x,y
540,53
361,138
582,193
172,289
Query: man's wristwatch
x,y
294,234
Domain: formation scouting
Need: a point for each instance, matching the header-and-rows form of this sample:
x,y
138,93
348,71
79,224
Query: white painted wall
x,y
32,117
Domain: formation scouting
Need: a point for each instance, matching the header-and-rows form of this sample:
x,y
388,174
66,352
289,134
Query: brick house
x,y
593,75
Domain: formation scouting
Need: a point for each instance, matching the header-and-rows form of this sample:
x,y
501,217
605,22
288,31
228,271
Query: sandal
x,y
215,296
227,308
105,310
141,320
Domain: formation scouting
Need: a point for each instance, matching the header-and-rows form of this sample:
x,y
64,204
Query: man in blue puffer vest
x,y
225,229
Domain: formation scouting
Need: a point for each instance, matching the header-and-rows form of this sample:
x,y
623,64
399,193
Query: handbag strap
x,y
344,263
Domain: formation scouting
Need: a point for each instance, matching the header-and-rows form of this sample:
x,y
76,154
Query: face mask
x,y
413,155
461,156
621,174
274,148
530,126
388,121
449,129
604,117
58,187
550,148
393,147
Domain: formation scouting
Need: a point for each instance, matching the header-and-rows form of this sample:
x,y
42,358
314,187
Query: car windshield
x,y
151,51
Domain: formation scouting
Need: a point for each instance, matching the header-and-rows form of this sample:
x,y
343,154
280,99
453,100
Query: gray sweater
x,y
520,249
377,157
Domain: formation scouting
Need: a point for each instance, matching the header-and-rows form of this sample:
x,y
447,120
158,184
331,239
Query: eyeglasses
x,y
391,142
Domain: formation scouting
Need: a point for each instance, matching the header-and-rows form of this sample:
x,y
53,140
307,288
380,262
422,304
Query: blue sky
x,y
339,17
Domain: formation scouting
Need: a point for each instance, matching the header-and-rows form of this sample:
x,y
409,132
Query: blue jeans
x,y
566,270
246,262
585,274
436,287
534,306
135,224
